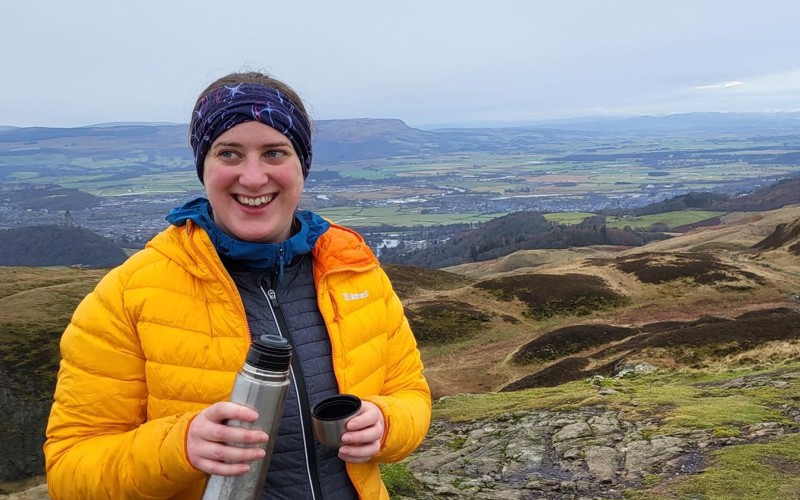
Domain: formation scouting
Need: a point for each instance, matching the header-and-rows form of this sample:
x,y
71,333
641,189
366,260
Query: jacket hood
x,y
341,247
190,248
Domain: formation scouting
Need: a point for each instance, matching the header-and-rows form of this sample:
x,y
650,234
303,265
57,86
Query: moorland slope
x,y
527,331
610,296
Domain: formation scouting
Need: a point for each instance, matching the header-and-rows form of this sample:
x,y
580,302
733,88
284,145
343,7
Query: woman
x,y
150,355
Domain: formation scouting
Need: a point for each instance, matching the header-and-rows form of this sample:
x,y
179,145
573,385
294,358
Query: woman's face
x,y
253,181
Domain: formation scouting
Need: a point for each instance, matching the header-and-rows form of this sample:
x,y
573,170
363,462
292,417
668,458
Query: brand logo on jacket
x,y
356,296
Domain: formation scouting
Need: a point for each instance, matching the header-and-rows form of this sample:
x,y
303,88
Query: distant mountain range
x,y
365,138
758,123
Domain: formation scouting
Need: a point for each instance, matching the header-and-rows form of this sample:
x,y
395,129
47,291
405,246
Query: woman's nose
x,y
253,173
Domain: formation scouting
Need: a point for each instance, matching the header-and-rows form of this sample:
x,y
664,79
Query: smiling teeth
x,y
254,202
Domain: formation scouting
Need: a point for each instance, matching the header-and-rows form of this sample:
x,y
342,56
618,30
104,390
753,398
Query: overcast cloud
x,y
429,63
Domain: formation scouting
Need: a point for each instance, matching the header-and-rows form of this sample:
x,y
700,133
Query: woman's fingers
x,y
217,448
359,453
223,411
362,441
229,434
224,454
221,468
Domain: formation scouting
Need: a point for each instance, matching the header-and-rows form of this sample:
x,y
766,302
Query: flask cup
x,y
330,417
261,384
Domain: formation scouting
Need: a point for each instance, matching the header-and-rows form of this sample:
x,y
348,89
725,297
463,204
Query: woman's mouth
x,y
254,201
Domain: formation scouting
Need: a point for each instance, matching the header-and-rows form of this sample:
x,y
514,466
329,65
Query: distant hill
x,y
786,236
772,197
38,246
132,124
359,139
127,132
345,140
335,141
50,197
519,231
693,200
756,123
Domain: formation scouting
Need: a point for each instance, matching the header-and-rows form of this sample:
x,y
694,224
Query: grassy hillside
x,y
709,274
548,330
35,307
472,320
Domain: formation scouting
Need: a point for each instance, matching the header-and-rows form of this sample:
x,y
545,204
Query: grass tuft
x,y
399,480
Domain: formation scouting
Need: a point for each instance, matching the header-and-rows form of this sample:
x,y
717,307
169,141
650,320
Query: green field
x,y
568,217
399,216
671,219
475,170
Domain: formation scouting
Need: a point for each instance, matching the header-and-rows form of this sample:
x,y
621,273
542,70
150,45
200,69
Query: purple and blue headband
x,y
229,106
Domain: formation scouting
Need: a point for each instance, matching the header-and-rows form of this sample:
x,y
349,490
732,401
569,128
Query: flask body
x,y
263,390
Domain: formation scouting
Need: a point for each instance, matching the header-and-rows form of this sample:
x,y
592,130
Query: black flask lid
x,y
270,352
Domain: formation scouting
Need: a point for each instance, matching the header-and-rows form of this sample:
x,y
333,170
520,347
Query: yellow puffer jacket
x,y
162,337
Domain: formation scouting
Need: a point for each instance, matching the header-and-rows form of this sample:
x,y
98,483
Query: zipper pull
x,y
272,297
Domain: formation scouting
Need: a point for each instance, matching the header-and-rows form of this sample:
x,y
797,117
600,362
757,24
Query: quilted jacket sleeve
x,y
99,444
405,400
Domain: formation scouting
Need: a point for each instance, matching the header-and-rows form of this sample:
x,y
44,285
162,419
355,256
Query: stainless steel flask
x,y
261,384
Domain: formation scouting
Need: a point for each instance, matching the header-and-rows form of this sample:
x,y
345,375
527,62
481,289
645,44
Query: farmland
x,y
372,173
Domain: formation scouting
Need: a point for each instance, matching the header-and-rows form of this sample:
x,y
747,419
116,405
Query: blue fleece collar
x,y
252,254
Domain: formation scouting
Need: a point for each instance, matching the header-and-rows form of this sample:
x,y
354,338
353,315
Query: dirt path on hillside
x,y
475,370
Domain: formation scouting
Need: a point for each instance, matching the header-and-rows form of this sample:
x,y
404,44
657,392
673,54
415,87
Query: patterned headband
x,y
229,106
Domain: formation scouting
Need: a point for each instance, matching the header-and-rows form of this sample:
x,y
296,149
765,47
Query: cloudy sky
x,y
428,62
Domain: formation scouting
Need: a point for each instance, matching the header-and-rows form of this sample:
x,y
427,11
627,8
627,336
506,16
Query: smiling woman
x,y
141,405
253,180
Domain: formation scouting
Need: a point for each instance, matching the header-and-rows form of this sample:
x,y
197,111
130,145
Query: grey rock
x,y
573,431
602,462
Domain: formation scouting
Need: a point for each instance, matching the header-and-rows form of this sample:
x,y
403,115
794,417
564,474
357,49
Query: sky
x,y
430,63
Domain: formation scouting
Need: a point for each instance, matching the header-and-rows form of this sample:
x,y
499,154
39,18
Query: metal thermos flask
x,y
261,384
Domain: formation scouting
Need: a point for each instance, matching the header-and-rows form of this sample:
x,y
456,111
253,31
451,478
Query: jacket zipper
x,y
302,395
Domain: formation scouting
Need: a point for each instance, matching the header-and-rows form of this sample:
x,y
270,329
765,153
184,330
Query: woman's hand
x,y
208,440
362,440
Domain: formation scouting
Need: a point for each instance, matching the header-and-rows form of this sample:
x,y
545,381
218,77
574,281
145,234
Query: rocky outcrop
x,y
35,493
593,452
580,454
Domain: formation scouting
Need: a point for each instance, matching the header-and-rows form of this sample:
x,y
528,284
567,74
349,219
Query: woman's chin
x,y
257,235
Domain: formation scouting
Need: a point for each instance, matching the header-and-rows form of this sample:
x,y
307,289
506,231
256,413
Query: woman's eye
x,y
227,154
274,153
